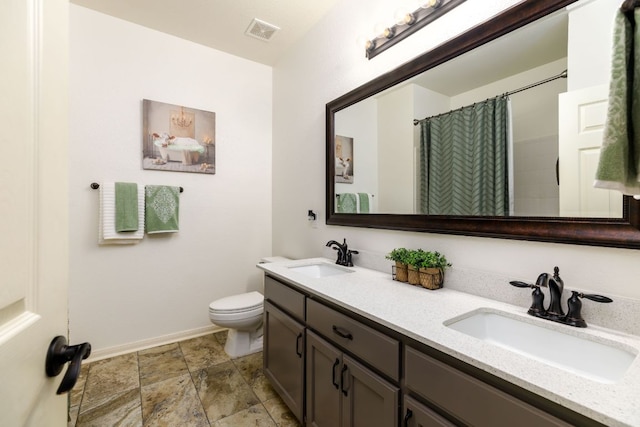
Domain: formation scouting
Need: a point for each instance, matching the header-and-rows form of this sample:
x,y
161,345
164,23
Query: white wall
x,y
352,122
395,151
327,64
590,45
126,296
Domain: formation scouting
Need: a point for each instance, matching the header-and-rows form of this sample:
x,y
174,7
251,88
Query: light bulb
x,y
379,29
370,45
400,15
431,3
362,41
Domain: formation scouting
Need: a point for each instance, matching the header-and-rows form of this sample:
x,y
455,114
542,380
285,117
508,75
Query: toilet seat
x,y
237,307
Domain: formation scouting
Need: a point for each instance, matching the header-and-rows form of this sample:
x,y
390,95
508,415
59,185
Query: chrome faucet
x,y
344,254
555,312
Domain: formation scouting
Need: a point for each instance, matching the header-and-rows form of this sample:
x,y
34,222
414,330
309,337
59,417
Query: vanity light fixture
x,y
407,23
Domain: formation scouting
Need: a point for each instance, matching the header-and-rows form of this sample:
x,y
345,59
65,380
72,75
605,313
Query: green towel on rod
x,y
126,206
619,161
364,202
162,205
347,203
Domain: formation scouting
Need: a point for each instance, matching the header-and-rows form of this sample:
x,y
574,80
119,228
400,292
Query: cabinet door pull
x,y
342,332
333,374
407,416
298,341
345,391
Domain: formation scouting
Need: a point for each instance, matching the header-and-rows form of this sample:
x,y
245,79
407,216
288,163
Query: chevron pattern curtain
x,y
464,160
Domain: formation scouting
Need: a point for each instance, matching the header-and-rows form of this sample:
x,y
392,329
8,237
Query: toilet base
x,y
243,343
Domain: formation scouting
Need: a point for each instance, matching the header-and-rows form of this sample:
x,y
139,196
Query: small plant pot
x,y
401,272
431,278
413,275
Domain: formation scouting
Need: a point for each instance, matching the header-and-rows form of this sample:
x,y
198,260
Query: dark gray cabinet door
x,y
284,357
343,393
367,399
324,362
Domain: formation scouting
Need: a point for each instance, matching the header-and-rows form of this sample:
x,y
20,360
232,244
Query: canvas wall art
x,y
178,138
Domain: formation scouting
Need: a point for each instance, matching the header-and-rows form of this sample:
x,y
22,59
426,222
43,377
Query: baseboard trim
x,y
119,350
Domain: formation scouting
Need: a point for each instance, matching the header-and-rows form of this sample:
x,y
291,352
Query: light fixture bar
x,y
429,12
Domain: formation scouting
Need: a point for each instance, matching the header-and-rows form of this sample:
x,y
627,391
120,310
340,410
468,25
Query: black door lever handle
x,y
58,354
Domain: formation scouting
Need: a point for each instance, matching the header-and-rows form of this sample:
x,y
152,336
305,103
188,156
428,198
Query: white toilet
x,y
242,314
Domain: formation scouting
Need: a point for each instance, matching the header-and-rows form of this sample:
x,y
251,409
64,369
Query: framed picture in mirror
x,y
344,159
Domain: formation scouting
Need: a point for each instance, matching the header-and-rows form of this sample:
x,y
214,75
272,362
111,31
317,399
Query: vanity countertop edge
x,y
420,314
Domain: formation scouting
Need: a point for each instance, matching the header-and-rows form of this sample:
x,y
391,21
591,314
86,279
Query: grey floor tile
x,y
255,416
281,413
161,363
223,391
75,396
202,352
109,379
221,337
172,402
250,368
122,410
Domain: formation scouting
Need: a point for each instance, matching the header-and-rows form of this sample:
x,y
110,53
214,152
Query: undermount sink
x,y
319,270
601,361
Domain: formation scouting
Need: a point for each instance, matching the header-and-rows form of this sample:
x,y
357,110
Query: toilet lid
x,y
238,303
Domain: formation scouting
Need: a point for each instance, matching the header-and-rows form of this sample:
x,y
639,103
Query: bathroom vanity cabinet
x,y
334,367
284,343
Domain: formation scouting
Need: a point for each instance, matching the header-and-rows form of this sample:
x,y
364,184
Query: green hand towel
x,y
619,164
126,206
161,209
347,203
364,202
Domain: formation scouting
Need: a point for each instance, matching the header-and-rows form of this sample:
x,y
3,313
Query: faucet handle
x,y
349,258
596,298
519,284
537,303
574,316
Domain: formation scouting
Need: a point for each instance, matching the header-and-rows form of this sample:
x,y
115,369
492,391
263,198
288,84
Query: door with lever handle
x,y
58,354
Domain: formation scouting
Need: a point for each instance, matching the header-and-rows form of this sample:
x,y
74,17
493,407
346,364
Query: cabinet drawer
x,y
284,297
468,399
372,346
418,415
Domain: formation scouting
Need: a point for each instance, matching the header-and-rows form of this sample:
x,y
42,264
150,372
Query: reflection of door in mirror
x,y
583,114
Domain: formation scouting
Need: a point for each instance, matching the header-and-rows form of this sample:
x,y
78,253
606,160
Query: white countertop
x,y
419,314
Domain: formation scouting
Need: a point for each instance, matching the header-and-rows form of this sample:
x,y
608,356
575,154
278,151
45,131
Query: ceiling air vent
x,y
261,30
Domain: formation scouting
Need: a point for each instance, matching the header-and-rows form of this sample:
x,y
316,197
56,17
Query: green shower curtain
x,y
464,160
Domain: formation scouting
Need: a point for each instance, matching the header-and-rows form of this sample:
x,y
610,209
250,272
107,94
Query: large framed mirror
x,y
376,155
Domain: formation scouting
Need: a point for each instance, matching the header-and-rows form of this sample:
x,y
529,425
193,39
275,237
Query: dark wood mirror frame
x,y
622,233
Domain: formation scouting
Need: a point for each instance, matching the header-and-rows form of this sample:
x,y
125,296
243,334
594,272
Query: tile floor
x,y
191,383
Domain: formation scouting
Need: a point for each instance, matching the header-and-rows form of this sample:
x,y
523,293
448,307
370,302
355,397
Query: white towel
x,y
107,234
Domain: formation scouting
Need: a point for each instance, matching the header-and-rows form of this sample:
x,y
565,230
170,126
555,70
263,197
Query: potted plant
x,y
414,260
431,269
399,255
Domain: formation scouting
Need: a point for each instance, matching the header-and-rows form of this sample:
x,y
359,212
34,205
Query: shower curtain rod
x,y
562,75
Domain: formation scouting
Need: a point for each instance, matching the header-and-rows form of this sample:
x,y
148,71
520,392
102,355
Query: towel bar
x,y
95,186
